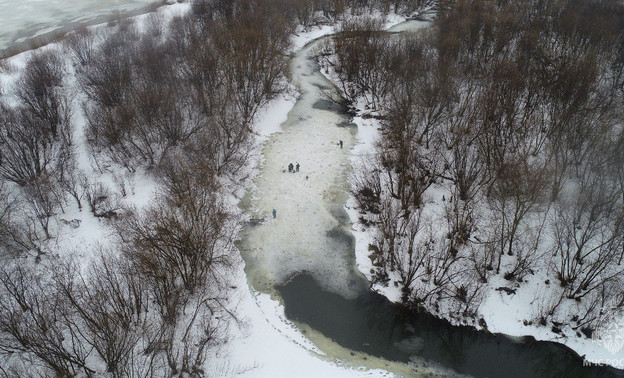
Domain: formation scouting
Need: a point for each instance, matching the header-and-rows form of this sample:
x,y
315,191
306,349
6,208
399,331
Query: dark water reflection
x,y
373,325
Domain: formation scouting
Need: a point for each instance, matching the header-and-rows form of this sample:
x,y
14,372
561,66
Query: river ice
x,y
311,230
21,19
263,343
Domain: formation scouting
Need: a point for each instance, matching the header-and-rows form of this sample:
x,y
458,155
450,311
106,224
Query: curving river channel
x,y
305,256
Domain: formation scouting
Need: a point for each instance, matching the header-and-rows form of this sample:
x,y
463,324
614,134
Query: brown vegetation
x,y
513,108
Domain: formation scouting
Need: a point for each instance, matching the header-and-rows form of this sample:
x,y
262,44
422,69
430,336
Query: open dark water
x,y
312,235
373,325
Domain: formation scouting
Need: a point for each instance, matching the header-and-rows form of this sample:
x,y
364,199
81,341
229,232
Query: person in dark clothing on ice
x,y
341,145
290,167
297,167
274,213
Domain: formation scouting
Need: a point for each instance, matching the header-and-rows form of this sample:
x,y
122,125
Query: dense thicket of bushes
x,y
176,99
502,127
501,158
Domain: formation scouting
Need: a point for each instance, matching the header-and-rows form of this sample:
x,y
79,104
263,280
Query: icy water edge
x,y
305,258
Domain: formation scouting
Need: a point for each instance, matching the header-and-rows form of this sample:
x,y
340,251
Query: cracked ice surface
x,y
311,230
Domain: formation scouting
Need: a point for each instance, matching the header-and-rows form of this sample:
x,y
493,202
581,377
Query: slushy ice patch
x,y
310,231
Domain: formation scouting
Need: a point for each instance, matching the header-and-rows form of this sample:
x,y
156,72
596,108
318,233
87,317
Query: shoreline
x,y
58,34
587,349
582,348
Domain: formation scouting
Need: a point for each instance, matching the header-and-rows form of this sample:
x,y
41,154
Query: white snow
x,y
503,313
507,314
304,37
266,344
262,343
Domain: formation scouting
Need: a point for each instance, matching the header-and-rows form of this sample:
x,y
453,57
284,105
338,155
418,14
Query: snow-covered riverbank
x,y
261,342
310,232
505,313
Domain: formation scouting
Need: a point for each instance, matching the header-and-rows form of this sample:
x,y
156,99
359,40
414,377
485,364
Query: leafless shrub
x,y
185,243
587,233
81,45
38,92
124,183
154,25
15,237
367,187
31,321
35,139
361,49
102,202
185,344
75,183
108,308
44,199
513,201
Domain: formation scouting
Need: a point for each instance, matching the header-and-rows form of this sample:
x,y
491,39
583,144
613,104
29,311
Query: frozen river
x,y
306,252
22,19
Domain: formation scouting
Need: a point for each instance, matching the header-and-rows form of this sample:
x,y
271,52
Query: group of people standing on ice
x,y
293,168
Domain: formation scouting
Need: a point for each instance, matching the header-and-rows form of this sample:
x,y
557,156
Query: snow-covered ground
x,y
265,343
262,342
503,313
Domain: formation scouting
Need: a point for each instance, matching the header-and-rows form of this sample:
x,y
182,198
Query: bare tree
x,y
74,184
102,202
31,322
360,50
588,238
253,65
35,139
512,201
31,147
182,250
15,236
81,45
108,309
44,199
185,243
